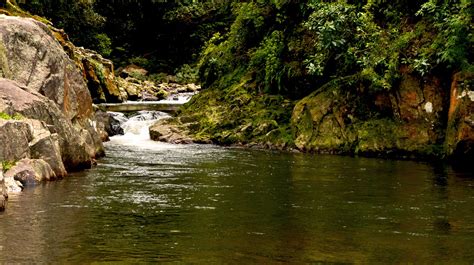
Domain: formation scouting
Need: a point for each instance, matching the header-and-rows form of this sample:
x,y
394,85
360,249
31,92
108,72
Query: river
x,y
156,202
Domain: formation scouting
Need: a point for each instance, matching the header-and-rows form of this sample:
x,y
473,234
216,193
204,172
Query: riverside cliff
x,y
47,124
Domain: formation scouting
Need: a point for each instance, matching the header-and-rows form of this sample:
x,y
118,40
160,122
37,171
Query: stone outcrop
x,y
31,172
460,128
166,131
47,124
78,141
409,120
403,122
32,56
96,70
99,73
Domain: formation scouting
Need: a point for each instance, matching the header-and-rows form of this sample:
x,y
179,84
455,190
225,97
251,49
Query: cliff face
x,y
47,118
411,119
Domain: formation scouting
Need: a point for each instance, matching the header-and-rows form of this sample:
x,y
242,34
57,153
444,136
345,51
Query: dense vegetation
x,y
257,58
158,35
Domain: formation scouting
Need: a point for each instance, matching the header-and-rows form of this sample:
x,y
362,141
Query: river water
x,y
156,202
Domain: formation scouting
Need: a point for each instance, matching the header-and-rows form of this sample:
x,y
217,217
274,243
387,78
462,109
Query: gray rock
x,y
31,172
78,141
32,56
45,146
14,136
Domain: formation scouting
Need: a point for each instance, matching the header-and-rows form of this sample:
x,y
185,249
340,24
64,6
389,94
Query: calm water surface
x,y
154,202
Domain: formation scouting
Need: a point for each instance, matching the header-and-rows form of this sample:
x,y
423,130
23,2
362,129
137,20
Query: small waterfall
x,y
136,128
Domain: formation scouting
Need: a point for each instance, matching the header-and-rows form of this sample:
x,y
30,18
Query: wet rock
x,y
3,191
141,89
147,96
164,131
31,172
460,129
339,120
131,86
13,186
109,123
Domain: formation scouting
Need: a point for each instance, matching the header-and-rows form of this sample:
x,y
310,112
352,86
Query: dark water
x,y
150,202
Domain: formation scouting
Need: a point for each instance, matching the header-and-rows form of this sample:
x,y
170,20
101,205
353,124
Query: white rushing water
x,y
136,129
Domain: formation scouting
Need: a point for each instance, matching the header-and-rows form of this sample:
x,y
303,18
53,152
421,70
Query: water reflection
x,y
203,204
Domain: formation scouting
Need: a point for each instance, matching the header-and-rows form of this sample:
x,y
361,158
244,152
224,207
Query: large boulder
x,y
78,141
45,146
32,56
31,172
404,121
166,130
460,129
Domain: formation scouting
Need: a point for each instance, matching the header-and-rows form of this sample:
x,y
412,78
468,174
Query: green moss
x,y
6,116
99,71
240,115
7,165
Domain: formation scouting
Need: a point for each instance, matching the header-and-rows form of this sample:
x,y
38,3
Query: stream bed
x,y
156,202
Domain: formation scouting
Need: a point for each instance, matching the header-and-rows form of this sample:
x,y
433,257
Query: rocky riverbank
x,y
416,120
47,124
